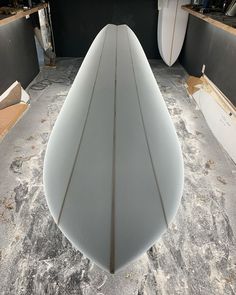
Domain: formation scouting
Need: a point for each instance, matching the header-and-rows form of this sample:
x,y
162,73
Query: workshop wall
x,y
18,57
215,48
76,23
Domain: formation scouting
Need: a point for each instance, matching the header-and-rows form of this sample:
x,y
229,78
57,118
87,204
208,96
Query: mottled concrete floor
x,y
197,255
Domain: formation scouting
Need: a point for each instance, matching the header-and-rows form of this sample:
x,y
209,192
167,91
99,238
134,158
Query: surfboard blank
x,y
172,24
113,171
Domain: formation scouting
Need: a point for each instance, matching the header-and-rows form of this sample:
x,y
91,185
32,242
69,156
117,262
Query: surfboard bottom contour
x,y
113,170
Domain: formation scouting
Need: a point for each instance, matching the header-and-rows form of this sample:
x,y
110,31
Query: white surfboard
x,y
113,171
172,24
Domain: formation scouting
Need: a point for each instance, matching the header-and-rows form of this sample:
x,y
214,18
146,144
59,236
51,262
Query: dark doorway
x,y
76,23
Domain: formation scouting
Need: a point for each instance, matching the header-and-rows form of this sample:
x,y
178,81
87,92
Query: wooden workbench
x,y
218,20
5,19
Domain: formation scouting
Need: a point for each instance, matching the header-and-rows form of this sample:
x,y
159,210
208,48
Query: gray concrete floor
x,y
197,255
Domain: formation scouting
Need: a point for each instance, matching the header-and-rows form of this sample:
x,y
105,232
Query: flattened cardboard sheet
x,y
9,117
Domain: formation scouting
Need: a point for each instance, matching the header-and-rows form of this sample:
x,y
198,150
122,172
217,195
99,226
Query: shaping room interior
x,y
134,191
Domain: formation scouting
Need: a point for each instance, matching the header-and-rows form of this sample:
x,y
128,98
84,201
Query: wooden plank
x,y
210,20
219,96
22,14
9,117
12,97
220,115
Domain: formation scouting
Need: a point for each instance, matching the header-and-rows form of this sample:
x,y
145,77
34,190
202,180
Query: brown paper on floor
x,y
12,98
9,116
193,84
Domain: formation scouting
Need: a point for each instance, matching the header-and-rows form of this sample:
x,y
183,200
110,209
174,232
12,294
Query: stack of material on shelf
x,y
218,111
13,104
8,10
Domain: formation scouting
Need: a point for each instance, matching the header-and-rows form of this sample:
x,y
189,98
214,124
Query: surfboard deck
x,y
113,170
172,25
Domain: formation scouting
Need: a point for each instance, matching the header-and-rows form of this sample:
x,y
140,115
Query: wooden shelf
x,y
5,19
218,20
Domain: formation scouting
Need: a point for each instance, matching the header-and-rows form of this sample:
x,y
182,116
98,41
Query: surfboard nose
x,y
113,170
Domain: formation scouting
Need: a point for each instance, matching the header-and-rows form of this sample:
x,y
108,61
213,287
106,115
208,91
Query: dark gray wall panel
x,y
221,63
195,49
76,23
18,57
206,44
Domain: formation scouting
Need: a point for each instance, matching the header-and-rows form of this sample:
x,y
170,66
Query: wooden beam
x,y
21,14
210,20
